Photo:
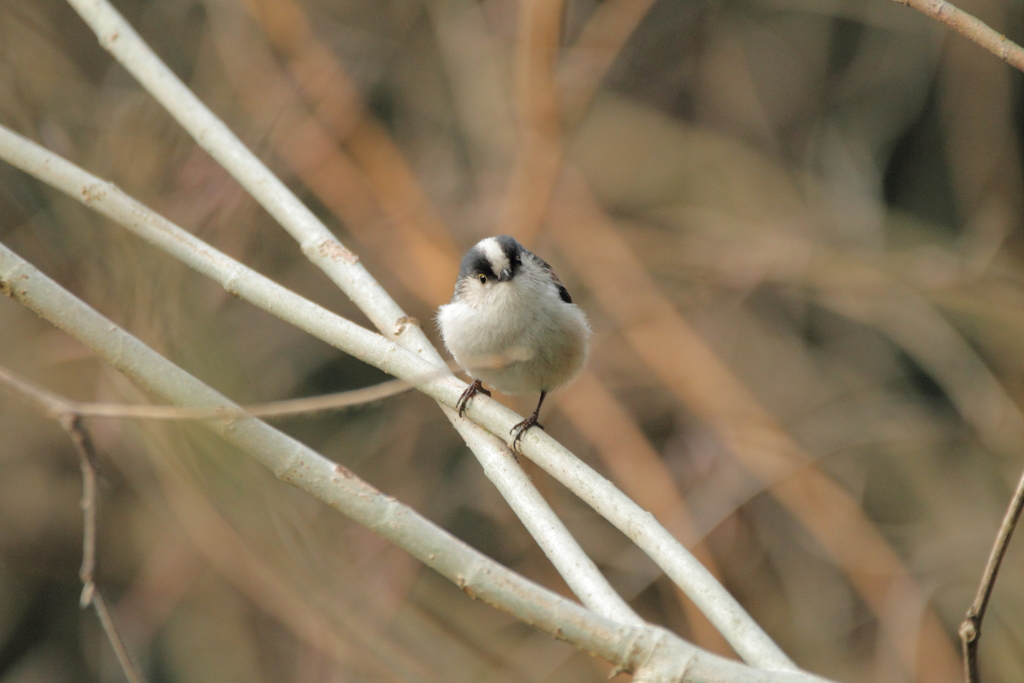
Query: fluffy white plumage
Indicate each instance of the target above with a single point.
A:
(512, 324)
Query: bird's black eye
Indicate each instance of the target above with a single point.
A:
(482, 278)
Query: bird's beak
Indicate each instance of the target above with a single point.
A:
(505, 275)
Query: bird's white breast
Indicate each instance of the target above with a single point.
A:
(517, 336)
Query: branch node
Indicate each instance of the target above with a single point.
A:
(405, 321)
(88, 590)
(334, 251)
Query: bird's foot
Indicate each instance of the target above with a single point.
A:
(472, 390)
(520, 429)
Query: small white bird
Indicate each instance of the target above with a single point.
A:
(512, 324)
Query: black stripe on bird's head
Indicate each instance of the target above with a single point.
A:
(494, 259)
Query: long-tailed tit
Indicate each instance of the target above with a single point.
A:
(511, 323)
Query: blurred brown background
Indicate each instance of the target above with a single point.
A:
(795, 226)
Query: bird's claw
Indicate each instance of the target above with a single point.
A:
(520, 429)
(472, 390)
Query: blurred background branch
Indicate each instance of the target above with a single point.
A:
(971, 28)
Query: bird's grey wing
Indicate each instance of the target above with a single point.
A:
(563, 293)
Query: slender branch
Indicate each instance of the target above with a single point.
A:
(89, 463)
(130, 672)
(90, 594)
(970, 629)
(971, 28)
(295, 406)
(318, 244)
(629, 647)
(54, 405)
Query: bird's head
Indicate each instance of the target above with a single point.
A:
(490, 262)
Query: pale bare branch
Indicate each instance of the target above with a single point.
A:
(971, 28)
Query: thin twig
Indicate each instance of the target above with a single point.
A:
(57, 405)
(90, 594)
(970, 629)
(54, 405)
(100, 605)
(89, 464)
(972, 28)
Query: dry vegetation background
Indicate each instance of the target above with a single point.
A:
(796, 226)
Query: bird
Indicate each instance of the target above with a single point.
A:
(512, 324)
